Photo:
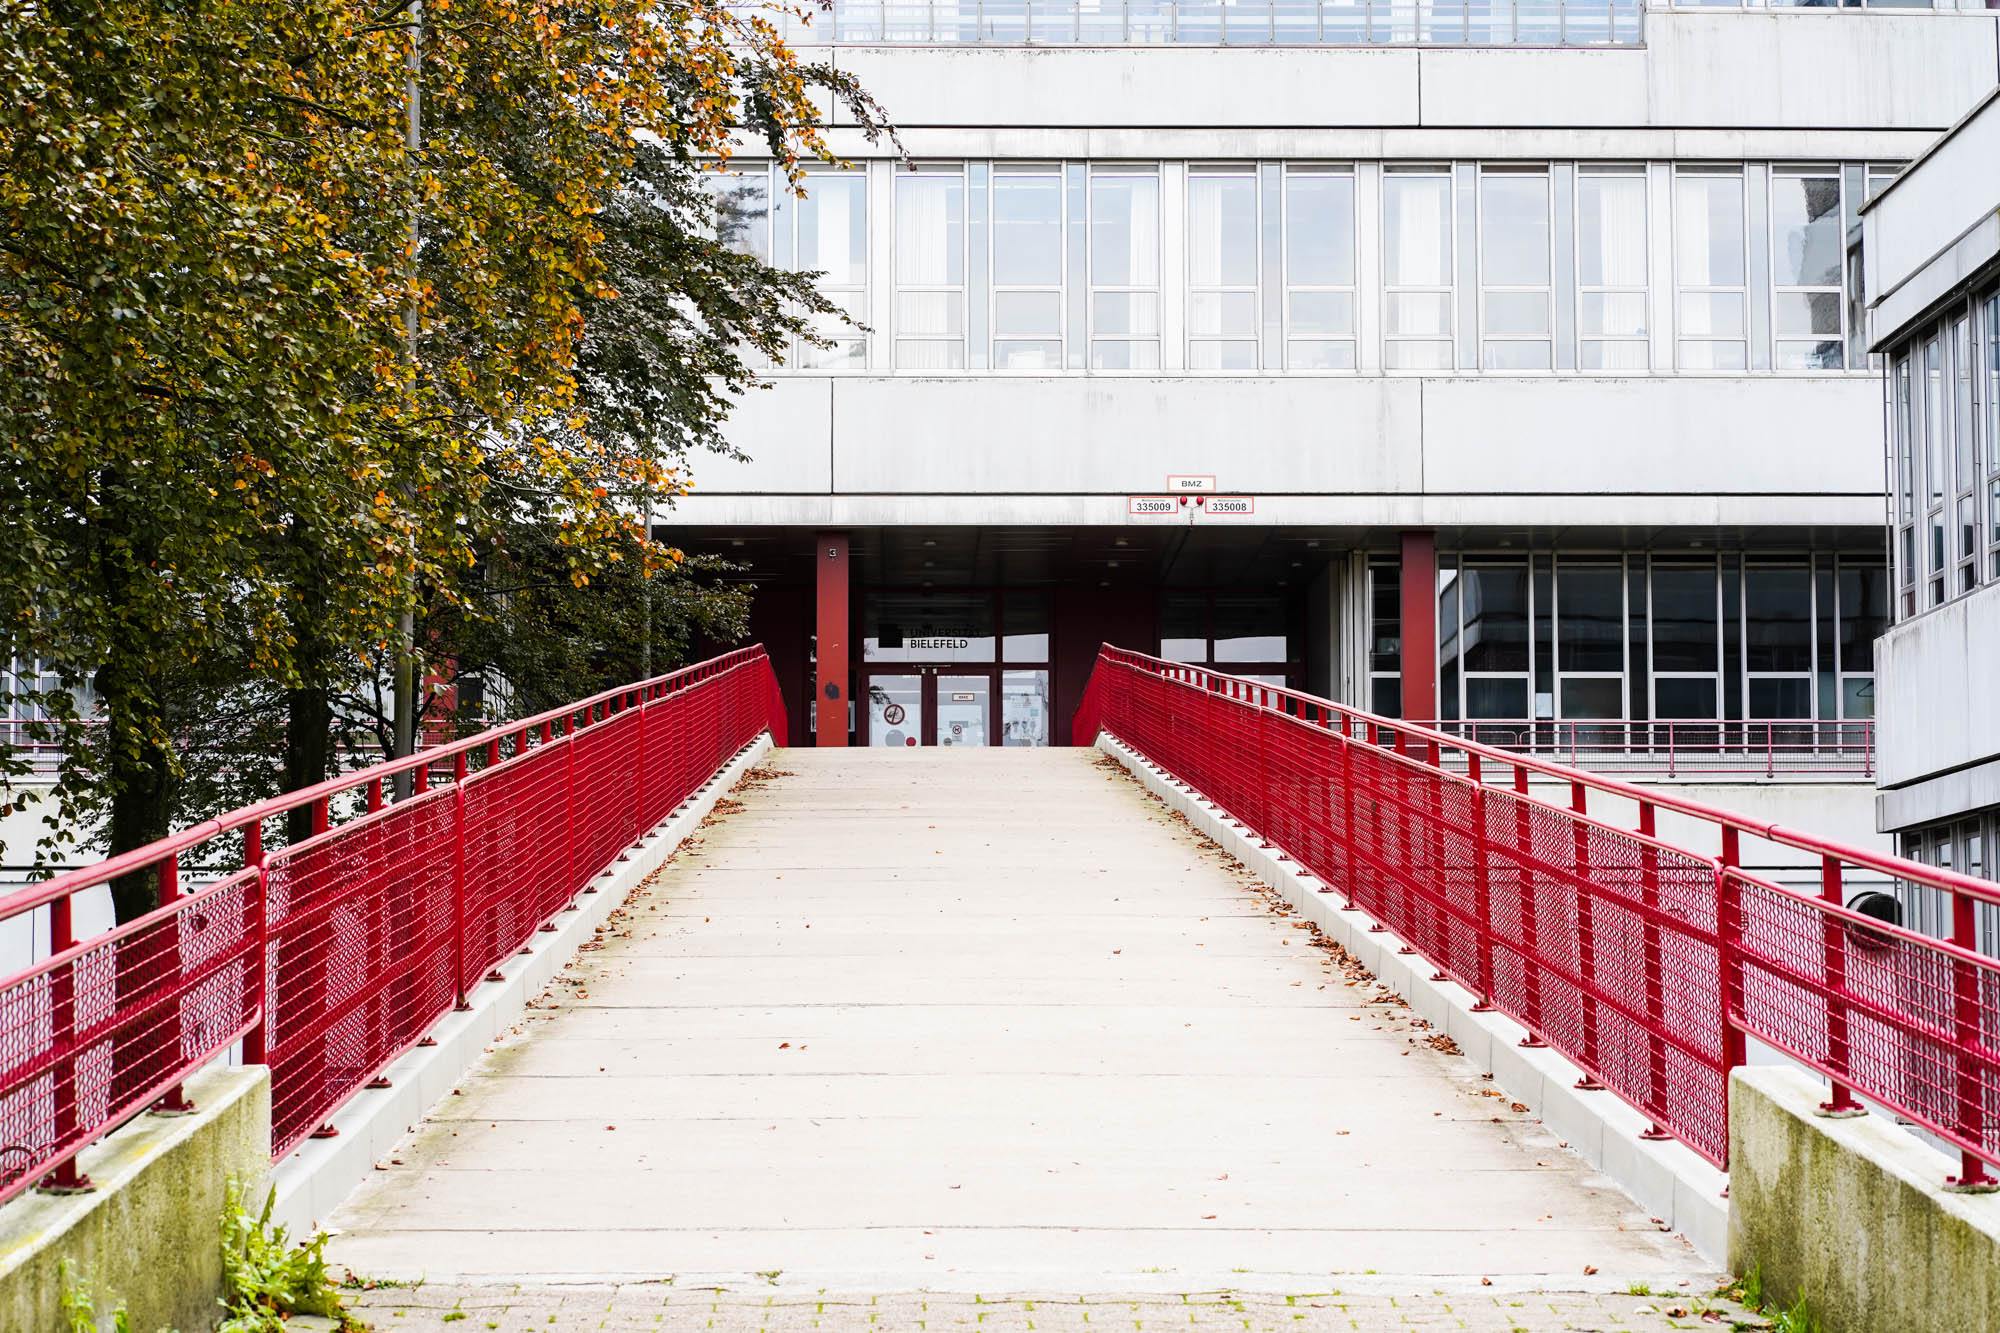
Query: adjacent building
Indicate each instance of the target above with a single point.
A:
(1933, 276)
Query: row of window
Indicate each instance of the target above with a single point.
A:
(1644, 637)
(1962, 845)
(1944, 388)
(1509, 267)
(1263, 22)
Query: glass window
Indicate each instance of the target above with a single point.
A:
(1709, 269)
(1777, 613)
(1514, 316)
(1806, 255)
(1494, 613)
(1222, 311)
(1025, 623)
(1319, 269)
(1027, 269)
(1590, 618)
(1184, 627)
(1417, 269)
(1124, 270)
(1678, 698)
(832, 223)
(1593, 698)
(1992, 391)
(927, 627)
(743, 209)
(1965, 459)
(1024, 708)
(1685, 625)
(1864, 614)
(1250, 627)
(1612, 322)
(930, 268)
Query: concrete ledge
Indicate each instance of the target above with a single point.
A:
(320, 1173)
(149, 1235)
(1669, 1180)
(1853, 1214)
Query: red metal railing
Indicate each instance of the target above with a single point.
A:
(1647, 965)
(1682, 749)
(331, 957)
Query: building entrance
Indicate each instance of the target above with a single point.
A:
(929, 705)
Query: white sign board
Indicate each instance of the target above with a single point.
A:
(1186, 484)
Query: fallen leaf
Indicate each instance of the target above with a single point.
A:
(1590, 1270)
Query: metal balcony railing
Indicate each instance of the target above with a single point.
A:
(1222, 23)
(1661, 749)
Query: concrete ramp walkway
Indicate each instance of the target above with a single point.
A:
(980, 1021)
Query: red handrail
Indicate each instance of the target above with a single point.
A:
(332, 956)
(1646, 964)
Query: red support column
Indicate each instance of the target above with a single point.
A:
(1419, 608)
(830, 699)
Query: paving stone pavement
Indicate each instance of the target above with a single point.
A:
(630, 1308)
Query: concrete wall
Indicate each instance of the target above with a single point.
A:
(1936, 224)
(149, 1235)
(1850, 1212)
(1067, 450)
(1935, 706)
(1803, 70)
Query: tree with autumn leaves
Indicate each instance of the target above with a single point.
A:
(246, 423)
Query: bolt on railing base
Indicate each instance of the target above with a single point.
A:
(66, 1179)
(432, 1041)
(1835, 1111)
(1587, 1084)
(495, 975)
(1654, 1133)
(377, 1084)
(1983, 1185)
(325, 1131)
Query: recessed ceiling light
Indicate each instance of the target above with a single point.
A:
(1121, 542)
(930, 541)
(928, 564)
(1104, 583)
(927, 583)
(735, 541)
(1312, 542)
(1111, 564)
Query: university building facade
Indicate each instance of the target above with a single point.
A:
(1501, 366)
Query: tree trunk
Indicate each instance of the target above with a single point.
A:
(308, 750)
(138, 771)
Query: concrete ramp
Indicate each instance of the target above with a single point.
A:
(981, 1021)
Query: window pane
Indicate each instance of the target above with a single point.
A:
(927, 627)
(1805, 231)
(1515, 355)
(1217, 355)
(1250, 627)
(932, 355)
(1222, 230)
(1614, 314)
(1419, 312)
(1514, 229)
(1320, 355)
(1027, 230)
(1777, 614)
(1217, 314)
(1385, 617)
(930, 230)
(1416, 230)
(1612, 355)
(1712, 356)
(1027, 312)
(1124, 355)
(1807, 314)
(833, 228)
(1025, 620)
(1864, 614)
(1708, 230)
(1495, 611)
(1027, 355)
(1322, 314)
(743, 211)
(1184, 627)
(1517, 312)
(1124, 231)
(1496, 698)
(1127, 312)
(1684, 620)
(1712, 314)
(1780, 698)
(1417, 356)
(1593, 699)
(919, 314)
(1684, 698)
(1319, 230)
(1611, 231)
(1024, 708)
(1590, 618)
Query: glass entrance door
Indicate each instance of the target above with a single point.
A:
(930, 705)
(963, 706)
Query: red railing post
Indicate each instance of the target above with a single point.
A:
(458, 953)
(1835, 937)
(1729, 961)
(1967, 1041)
(570, 885)
(1349, 868)
(1482, 888)
(639, 781)
(1653, 962)
(175, 1101)
(65, 1178)
(256, 1042)
(1586, 931)
(1531, 944)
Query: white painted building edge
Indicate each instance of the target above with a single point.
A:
(312, 1180)
(1669, 1180)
